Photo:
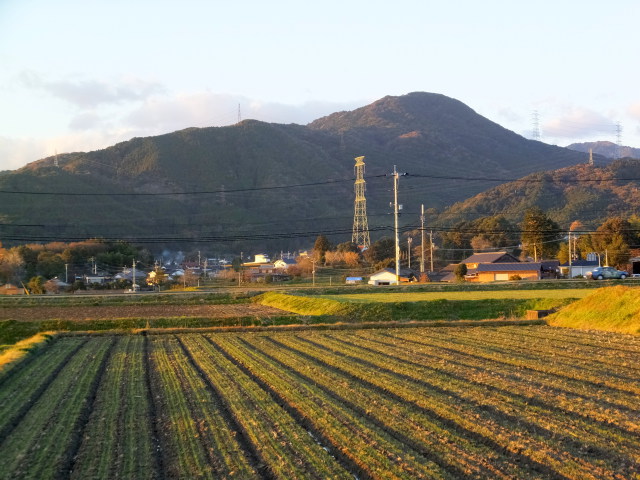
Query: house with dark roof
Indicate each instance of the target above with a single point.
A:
(492, 272)
(476, 259)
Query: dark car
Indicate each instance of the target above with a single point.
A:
(604, 273)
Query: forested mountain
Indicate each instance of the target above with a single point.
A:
(222, 185)
(587, 193)
(606, 149)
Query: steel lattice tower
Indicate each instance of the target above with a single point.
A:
(360, 225)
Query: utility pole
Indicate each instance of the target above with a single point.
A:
(431, 245)
(422, 239)
(66, 273)
(396, 208)
(570, 255)
(409, 240)
(133, 277)
(313, 272)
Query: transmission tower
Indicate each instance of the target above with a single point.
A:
(536, 126)
(360, 225)
(618, 140)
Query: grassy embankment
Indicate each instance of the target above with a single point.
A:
(614, 309)
(420, 306)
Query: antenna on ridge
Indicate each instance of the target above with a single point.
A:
(535, 135)
(55, 160)
(618, 140)
(239, 116)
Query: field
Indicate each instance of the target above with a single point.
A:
(110, 312)
(455, 402)
(408, 296)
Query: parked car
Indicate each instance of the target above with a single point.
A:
(604, 273)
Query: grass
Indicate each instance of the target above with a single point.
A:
(411, 296)
(614, 309)
(10, 355)
(493, 305)
(98, 299)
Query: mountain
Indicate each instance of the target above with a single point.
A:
(606, 149)
(221, 186)
(585, 192)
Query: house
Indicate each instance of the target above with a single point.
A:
(387, 276)
(476, 259)
(550, 268)
(577, 268)
(284, 263)
(261, 258)
(95, 279)
(9, 289)
(491, 272)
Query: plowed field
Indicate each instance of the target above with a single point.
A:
(136, 311)
(458, 403)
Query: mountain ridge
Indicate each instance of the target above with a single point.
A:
(220, 182)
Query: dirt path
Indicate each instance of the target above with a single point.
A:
(138, 311)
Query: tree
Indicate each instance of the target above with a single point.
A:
(36, 285)
(347, 247)
(50, 264)
(321, 246)
(460, 271)
(236, 264)
(540, 235)
(158, 277)
(11, 266)
(381, 250)
(612, 239)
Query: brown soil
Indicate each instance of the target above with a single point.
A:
(138, 311)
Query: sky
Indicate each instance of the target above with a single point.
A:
(80, 75)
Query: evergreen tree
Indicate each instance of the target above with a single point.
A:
(540, 235)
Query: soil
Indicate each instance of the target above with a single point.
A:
(138, 311)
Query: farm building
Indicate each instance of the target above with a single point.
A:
(577, 268)
(387, 276)
(353, 280)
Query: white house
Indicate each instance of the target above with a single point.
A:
(284, 263)
(261, 258)
(387, 276)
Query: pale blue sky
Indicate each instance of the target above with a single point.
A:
(79, 75)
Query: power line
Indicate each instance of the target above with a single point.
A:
(203, 192)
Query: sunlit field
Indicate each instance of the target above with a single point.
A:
(527, 402)
(466, 295)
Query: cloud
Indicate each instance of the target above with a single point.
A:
(17, 152)
(93, 129)
(206, 109)
(91, 93)
(578, 123)
(634, 111)
(86, 121)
